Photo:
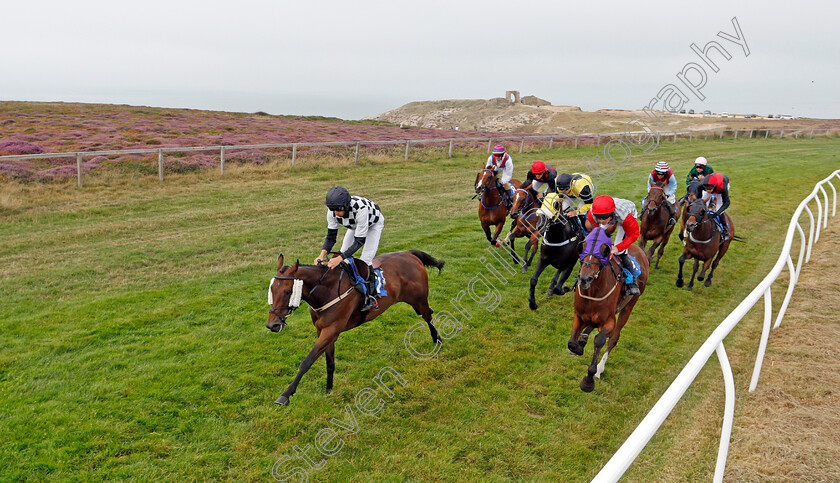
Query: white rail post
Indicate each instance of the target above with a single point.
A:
(782, 134)
(357, 152)
(721, 133)
(160, 163)
(765, 334)
(489, 145)
(451, 145)
(812, 134)
(222, 160)
(576, 142)
(706, 136)
(766, 133)
(294, 154)
(550, 143)
(752, 131)
(407, 144)
(825, 218)
(834, 208)
(810, 234)
(521, 145)
(728, 412)
(598, 142)
(736, 133)
(796, 135)
(79, 169)
(675, 136)
(819, 218)
(791, 286)
(690, 136)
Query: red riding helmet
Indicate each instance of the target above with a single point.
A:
(603, 206)
(713, 182)
(538, 167)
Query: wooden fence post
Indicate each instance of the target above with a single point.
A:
(451, 145)
(160, 163)
(222, 160)
(550, 143)
(521, 145)
(407, 143)
(576, 142)
(79, 169)
(294, 154)
(357, 152)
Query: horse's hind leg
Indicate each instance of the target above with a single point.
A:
(553, 283)
(583, 338)
(702, 274)
(622, 320)
(330, 356)
(423, 310)
(325, 338)
(559, 287)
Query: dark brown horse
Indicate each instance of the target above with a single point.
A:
(654, 223)
(335, 305)
(702, 243)
(690, 196)
(598, 299)
(491, 208)
(559, 249)
(524, 213)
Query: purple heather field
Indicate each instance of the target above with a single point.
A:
(35, 127)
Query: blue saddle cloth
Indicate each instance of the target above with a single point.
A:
(379, 279)
(637, 269)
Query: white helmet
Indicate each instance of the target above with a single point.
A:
(700, 161)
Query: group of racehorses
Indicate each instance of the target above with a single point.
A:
(599, 298)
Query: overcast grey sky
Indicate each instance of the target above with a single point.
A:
(351, 59)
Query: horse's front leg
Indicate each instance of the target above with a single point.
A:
(330, 356)
(587, 384)
(575, 348)
(693, 274)
(324, 340)
(541, 264)
(680, 275)
(702, 274)
(499, 227)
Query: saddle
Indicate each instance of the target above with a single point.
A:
(362, 267)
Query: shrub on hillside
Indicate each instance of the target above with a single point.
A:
(17, 146)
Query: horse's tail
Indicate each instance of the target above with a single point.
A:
(738, 239)
(428, 260)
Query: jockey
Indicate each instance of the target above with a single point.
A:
(714, 190)
(660, 175)
(364, 223)
(577, 191)
(700, 170)
(606, 211)
(540, 176)
(502, 166)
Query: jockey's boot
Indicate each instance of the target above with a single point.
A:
(672, 212)
(370, 298)
(631, 288)
(724, 229)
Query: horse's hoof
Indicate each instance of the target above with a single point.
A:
(525, 269)
(708, 282)
(597, 377)
(562, 290)
(550, 291)
(689, 289)
(328, 390)
(679, 283)
(532, 305)
(700, 278)
(439, 341)
(587, 384)
(282, 400)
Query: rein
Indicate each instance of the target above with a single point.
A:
(484, 189)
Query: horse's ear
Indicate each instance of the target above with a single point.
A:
(581, 247)
(605, 250)
(297, 264)
(279, 262)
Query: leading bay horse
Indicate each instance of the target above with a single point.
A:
(491, 207)
(702, 242)
(600, 297)
(335, 304)
(653, 225)
(523, 211)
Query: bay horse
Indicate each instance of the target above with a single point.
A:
(491, 208)
(703, 242)
(335, 304)
(523, 211)
(653, 225)
(558, 249)
(600, 297)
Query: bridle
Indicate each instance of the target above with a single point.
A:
(657, 204)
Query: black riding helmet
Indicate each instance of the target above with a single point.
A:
(338, 198)
(563, 181)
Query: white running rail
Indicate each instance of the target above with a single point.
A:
(631, 448)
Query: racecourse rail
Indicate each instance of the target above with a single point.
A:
(408, 142)
(631, 448)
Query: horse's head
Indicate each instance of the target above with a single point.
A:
(284, 295)
(484, 180)
(591, 262)
(697, 211)
(691, 195)
(655, 197)
(522, 200)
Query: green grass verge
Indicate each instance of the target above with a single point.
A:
(133, 341)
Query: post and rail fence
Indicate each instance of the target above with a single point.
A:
(551, 139)
(637, 440)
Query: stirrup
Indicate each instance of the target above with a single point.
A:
(632, 289)
(672, 222)
(370, 304)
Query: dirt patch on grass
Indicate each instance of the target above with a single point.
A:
(789, 428)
